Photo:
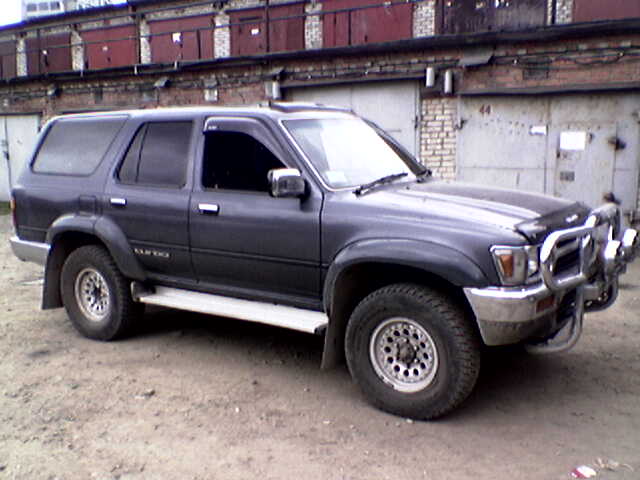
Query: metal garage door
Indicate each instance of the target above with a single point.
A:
(17, 139)
(580, 147)
(392, 105)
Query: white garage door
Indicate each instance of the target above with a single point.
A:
(18, 135)
(392, 105)
(559, 145)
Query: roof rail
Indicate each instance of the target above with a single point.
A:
(301, 106)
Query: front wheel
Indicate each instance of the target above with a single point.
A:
(412, 351)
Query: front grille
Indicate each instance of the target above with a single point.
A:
(568, 263)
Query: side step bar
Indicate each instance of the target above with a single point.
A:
(268, 313)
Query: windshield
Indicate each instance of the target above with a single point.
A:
(346, 152)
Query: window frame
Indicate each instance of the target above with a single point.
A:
(256, 128)
(47, 130)
(144, 124)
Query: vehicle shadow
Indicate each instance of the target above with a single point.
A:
(274, 344)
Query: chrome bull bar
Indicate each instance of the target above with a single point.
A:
(604, 251)
(600, 241)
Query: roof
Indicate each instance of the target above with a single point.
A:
(279, 110)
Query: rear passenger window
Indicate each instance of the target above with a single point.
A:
(158, 155)
(76, 146)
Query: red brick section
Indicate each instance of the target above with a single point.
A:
(599, 63)
(596, 62)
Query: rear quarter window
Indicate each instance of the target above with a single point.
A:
(76, 146)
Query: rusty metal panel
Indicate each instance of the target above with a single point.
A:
(49, 53)
(381, 24)
(248, 29)
(110, 47)
(463, 16)
(286, 27)
(590, 10)
(181, 39)
(351, 24)
(248, 32)
(7, 60)
(517, 14)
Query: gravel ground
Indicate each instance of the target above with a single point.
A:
(196, 397)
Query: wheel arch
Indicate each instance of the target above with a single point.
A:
(352, 276)
(71, 232)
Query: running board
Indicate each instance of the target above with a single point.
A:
(293, 318)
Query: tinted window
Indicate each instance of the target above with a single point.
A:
(129, 169)
(76, 146)
(158, 155)
(237, 161)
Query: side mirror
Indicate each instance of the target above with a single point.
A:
(286, 182)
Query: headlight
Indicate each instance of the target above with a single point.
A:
(516, 265)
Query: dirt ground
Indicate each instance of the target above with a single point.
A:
(196, 397)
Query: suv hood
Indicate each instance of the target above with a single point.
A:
(530, 214)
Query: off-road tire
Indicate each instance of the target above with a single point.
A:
(439, 348)
(96, 295)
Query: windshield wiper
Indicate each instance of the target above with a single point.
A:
(362, 189)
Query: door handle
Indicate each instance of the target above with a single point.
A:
(209, 208)
(118, 202)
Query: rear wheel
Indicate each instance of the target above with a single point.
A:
(412, 351)
(96, 295)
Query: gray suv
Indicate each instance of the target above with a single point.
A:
(313, 219)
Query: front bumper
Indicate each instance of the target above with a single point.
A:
(550, 312)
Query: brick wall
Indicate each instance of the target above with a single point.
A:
(564, 11)
(438, 135)
(222, 37)
(577, 63)
(313, 26)
(145, 41)
(424, 18)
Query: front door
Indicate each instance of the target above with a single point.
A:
(244, 241)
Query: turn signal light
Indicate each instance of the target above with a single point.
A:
(506, 263)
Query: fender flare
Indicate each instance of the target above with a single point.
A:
(105, 230)
(432, 258)
(443, 261)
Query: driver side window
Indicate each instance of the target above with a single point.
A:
(236, 161)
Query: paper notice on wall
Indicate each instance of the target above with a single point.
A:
(573, 140)
(538, 130)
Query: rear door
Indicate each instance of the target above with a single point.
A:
(244, 241)
(148, 197)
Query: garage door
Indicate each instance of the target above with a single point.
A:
(392, 105)
(580, 147)
(17, 139)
